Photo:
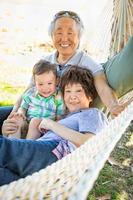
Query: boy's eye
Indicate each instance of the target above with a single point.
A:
(49, 83)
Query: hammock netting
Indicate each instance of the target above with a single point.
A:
(114, 27)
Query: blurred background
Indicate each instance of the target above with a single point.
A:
(24, 37)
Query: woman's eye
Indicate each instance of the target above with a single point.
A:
(67, 91)
(70, 33)
(59, 33)
(79, 90)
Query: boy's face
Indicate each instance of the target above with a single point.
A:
(75, 97)
(46, 83)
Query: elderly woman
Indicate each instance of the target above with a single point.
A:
(19, 157)
(66, 29)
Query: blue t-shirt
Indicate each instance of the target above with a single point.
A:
(89, 120)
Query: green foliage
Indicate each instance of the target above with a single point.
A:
(9, 88)
(6, 103)
(9, 93)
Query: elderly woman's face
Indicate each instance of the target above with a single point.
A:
(66, 36)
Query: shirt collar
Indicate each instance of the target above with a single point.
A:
(71, 61)
(77, 111)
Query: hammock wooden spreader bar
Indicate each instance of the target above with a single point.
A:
(74, 175)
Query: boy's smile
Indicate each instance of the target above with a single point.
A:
(46, 84)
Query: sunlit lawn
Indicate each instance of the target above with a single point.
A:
(13, 80)
(116, 181)
(9, 93)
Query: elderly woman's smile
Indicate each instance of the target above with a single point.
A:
(65, 38)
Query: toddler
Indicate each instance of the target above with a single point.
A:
(42, 101)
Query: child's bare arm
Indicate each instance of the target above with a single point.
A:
(19, 100)
(21, 113)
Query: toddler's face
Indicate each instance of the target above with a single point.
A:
(45, 83)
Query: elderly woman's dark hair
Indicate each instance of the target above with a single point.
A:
(70, 14)
(83, 76)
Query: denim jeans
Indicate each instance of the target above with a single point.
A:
(6, 176)
(20, 157)
(4, 112)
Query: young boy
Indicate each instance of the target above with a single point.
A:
(42, 101)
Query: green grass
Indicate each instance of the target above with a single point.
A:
(8, 87)
(116, 181)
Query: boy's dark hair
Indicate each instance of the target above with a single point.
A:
(44, 66)
(83, 76)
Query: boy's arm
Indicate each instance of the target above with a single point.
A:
(22, 112)
(17, 104)
(19, 100)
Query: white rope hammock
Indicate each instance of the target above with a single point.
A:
(73, 176)
(114, 27)
(122, 25)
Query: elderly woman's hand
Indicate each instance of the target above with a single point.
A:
(10, 126)
(119, 107)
